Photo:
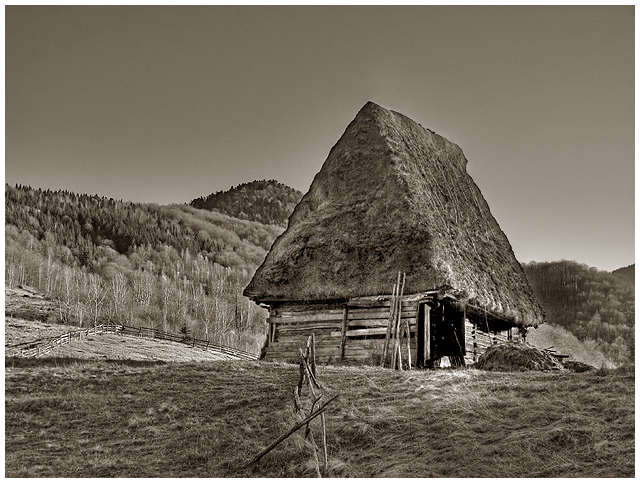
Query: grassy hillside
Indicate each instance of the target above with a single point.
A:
(100, 347)
(69, 418)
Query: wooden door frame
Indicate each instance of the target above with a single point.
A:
(423, 320)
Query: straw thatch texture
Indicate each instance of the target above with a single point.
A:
(393, 196)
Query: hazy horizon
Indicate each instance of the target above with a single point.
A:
(167, 104)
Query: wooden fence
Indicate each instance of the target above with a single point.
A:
(44, 347)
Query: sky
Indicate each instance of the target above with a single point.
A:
(162, 104)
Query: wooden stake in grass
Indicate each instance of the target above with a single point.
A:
(308, 372)
(292, 430)
(314, 382)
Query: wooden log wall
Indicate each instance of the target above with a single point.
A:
(291, 326)
(478, 341)
(358, 337)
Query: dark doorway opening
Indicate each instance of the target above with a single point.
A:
(447, 333)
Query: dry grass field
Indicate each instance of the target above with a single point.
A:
(19, 332)
(103, 346)
(27, 322)
(68, 417)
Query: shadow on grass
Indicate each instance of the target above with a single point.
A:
(22, 362)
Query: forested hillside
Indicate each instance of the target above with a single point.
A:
(173, 267)
(627, 273)
(268, 202)
(183, 269)
(596, 306)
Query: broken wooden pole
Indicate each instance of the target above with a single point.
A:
(313, 381)
(292, 430)
(312, 378)
(308, 434)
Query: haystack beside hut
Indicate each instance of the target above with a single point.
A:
(392, 197)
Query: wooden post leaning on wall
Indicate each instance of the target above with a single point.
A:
(345, 324)
(392, 305)
(404, 275)
(394, 334)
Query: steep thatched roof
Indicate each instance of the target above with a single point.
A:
(393, 196)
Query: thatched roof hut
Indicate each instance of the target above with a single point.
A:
(393, 196)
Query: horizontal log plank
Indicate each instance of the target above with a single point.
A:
(335, 351)
(377, 314)
(378, 304)
(305, 328)
(296, 350)
(304, 318)
(355, 351)
(278, 322)
(364, 344)
(293, 344)
(297, 339)
(369, 323)
(358, 332)
(296, 313)
(300, 336)
(368, 331)
(408, 315)
(355, 344)
(295, 356)
(378, 322)
(322, 358)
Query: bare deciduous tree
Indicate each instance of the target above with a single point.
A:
(96, 294)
